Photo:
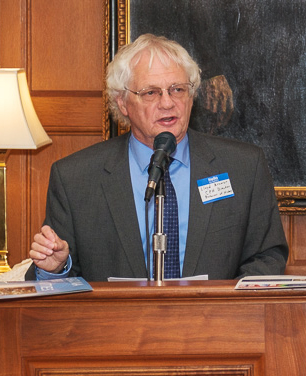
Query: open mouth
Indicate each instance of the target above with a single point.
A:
(167, 119)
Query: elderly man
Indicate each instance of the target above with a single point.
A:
(95, 215)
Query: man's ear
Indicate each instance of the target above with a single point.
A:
(122, 106)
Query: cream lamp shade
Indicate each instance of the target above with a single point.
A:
(20, 127)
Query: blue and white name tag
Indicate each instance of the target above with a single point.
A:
(215, 188)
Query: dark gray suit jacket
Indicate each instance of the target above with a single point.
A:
(90, 204)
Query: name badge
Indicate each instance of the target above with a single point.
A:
(215, 188)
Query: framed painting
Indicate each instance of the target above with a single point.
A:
(259, 48)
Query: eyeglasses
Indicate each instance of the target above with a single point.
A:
(176, 91)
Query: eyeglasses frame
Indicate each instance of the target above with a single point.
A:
(138, 93)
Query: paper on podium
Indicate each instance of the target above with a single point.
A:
(267, 282)
(203, 277)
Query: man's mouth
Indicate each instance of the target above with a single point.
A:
(167, 119)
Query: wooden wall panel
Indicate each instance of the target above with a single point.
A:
(17, 189)
(70, 114)
(297, 239)
(12, 34)
(286, 340)
(66, 48)
(63, 47)
(40, 164)
(9, 342)
(67, 59)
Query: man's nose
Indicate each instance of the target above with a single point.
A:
(166, 100)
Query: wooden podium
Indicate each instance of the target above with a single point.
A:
(179, 328)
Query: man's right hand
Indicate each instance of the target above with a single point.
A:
(48, 251)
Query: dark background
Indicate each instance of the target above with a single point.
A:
(260, 47)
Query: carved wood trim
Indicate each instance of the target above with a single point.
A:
(123, 22)
(291, 200)
(46, 368)
(106, 122)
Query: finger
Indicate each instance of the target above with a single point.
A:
(39, 249)
(59, 244)
(41, 240)
(34, 255)
(48, 233)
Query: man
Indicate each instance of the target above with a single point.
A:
(95, 215)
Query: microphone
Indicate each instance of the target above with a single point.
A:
(164, 145)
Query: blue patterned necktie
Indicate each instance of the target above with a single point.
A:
(171, 229)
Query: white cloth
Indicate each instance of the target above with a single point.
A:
(17, 273)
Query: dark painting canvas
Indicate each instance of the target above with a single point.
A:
(260, 48)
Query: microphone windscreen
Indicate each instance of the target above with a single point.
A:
(165, 141)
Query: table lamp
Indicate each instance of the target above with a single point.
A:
(20, 128)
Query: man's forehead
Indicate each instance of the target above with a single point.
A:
(153, 69)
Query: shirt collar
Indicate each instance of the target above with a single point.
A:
(142, 153)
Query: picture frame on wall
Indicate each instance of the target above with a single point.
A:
(259, 50)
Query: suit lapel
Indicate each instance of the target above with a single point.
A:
(201, 158)
(117, 187)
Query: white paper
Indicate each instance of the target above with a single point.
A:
(203, 277)
(267, 282)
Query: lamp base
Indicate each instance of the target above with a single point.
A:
(4, 266)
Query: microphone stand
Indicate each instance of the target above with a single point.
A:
(159, 238)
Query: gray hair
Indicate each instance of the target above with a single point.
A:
(119, 71)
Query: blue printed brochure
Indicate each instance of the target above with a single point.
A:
(26, 289)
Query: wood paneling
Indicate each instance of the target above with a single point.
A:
(165, 338)
(63, 46)
(61, 114)
(69, 33)
(286, 338)
(40, 164)
(9, 326)
(17, 206)
(296, 237)
(12, 33)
